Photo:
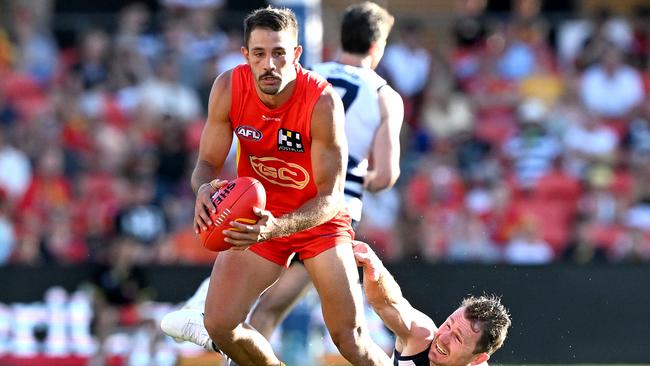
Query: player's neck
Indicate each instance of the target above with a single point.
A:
(355, 60)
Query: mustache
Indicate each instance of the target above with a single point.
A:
(270, 74)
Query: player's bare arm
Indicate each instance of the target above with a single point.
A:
(216, 139)
(386, 146)
(329, 160)
(412, 328)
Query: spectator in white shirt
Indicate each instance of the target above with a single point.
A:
(611, 88)
(589, 142)
(527, 247)
(15, 169)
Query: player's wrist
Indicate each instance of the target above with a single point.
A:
(203, 186)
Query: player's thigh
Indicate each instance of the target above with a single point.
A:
(290, 287)
(336, 279)
(237, 280)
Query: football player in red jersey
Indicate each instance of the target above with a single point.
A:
(289, 124)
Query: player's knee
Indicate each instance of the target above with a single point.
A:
(219, 327)
(348, 340)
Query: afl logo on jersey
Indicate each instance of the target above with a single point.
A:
(249, 133)
(280, 172)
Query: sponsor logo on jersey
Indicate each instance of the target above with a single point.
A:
(280, 172)
(270, 119)
(290, 141)
(249, 133)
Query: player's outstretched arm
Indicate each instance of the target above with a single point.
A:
(216, 139)
(384, 156)
(386, 299)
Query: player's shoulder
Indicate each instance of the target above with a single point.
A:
(224, 80)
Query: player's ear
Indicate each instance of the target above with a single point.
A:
(480, 358)
(297, 52)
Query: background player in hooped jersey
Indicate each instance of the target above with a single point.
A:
(473, 332)
(373, 118)
(298, 122)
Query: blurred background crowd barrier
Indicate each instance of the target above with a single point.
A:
(525, 162)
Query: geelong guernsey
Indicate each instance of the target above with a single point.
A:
(420, 359)
(358, 88)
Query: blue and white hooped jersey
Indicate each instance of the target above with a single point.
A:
(359, 90)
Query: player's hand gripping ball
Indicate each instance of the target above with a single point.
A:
(234, 202)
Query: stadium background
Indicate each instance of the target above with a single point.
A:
(524, 172)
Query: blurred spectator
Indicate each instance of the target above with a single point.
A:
(172, 157)
(583, 249)
(631, 247)
(469, 241)
(6, 50)
(638, 215)
(203, 41)
(434, 197)
(469, 30)
(519, 59)
(131, 33)
(165, 95)
(232, 55)
(640, 48)
(532, 150)
(611, 88)
(494, 96)
(47, 232)
(408, 63)
(526, 246)
(15, 168)
(470, 25)
(36, 50)
(92, 66)
(588, 143)
(140, 219)
(446, 113)
(7, 234)
(129, 70)
(475, 157)
(599, 204)
(599, 34)
(638, 138)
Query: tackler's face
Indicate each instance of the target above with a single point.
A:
(455, 341)
(273, 58)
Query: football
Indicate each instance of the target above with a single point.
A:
(234, 202)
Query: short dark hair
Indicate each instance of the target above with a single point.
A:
(275, 19)
(362, 25)
(491, 317)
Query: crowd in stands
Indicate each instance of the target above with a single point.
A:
(526, 141)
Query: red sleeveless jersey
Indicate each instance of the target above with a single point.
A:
(274, 146)
(275, 143)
